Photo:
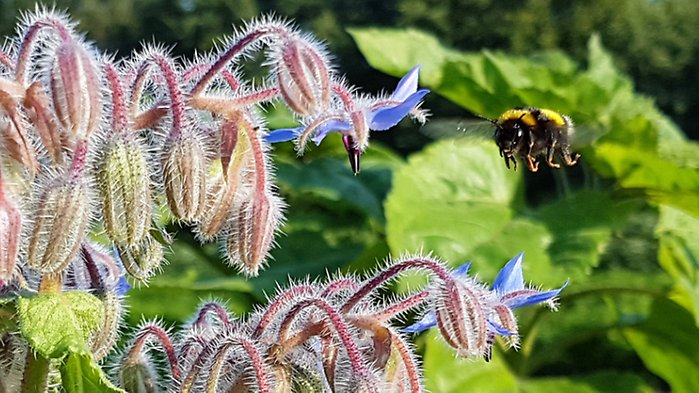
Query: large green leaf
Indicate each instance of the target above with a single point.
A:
(668, 345)
(55, 324)
(79, 374)
(678, 254)
(449, 199)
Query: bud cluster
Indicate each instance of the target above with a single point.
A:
(333, 336)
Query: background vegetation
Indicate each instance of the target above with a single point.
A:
(622, 225)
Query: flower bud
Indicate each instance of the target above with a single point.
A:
(10, 231)
(254, 225)
(304, 77)
(461, 313)
(184, 172)
(141, 260)
(60, 224)
(124, 185)
(138, 376)
(220, 195)
(75, 90)
(104, 339)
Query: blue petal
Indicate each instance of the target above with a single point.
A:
(283, 135)
(385, 118)
(122, 286)
(535, 298)
(499, 329)
(407, 85)
(330, 126)
(510, 277)
(462, 270)
(427, 321)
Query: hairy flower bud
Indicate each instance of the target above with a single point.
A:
(254, 225)
(184, 174)
(104, 339)
(75, 90)
(60, 222)
(303, 76)
(461, 311)
(220, 195)
(124, 185)
(138, 376)
(10, 230)
(143, 259)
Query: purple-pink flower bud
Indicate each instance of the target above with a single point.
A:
(303, 76)
(75, 89)
(254, 226)
(461, 310)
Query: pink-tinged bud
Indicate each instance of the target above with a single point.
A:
(60, 223)
(303, 76)
(142, 260)
(254, 225)
(123, 181)
(461, 311)
(184, 174)
(39, 112)
(10, 231)
(75, 89)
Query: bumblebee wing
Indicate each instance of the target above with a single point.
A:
(477, 129)
(582, 136)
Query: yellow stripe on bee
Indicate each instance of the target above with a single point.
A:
(553, 117)
(524, 115)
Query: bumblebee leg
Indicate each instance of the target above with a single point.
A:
(567, 158)
(549, 156)
(532, 164)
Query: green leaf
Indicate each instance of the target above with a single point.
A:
(55, 324)
(582, 224)
(79, 374)
(395, 51)
(678, 254)
(450, 198)
(668, 346)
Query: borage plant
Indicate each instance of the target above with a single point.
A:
(91, 145)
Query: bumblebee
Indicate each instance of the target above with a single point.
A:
(528, 133)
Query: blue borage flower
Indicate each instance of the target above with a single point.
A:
(509, 290)
(358, 117)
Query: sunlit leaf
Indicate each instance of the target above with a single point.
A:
(55, 324)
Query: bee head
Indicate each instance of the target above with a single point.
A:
(508, 137)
